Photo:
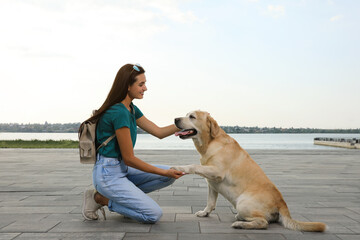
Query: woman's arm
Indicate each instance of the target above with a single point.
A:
(127, 152)
(153, 129)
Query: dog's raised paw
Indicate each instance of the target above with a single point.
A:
(180, 168)
(177, 168)
(202, 214)
(238, 224)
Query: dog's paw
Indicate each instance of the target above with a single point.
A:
(202, 214)
(238, 217)
(178, 168)
(238, 224)
(185, 169)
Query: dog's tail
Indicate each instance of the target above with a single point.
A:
(292, 224)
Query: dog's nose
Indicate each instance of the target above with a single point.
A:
(177, 120)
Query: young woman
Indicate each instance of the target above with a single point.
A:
(120, 178)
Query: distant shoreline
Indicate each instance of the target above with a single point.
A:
(39, 144)
(73, 128)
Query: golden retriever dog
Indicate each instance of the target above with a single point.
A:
(230, 171)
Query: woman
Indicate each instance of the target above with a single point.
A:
(120, 178)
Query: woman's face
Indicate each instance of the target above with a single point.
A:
(136, 91)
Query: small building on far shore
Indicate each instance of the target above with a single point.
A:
(352, 143)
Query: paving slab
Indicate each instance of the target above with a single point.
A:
(260, 236)
(216, 236)
(30, 226)
(348, 237)
(101, 226)
(8, 236)
(41, 195)
(175, 227)
(151, 236)
(192, 218)
(72, 236)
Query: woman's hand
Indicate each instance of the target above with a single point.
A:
(174, 173)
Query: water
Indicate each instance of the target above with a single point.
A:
(247, 141)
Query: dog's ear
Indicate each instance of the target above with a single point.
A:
(214, 127)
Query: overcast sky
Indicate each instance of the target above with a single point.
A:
(266, 63)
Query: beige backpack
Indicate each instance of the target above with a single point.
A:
(87, 146)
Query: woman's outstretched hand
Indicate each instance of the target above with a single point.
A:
(174, 173)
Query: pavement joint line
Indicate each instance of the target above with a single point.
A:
(53, 226)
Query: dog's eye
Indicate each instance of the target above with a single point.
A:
(192, 117)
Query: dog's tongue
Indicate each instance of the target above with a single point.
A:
(183, 132)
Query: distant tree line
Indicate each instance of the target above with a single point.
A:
(73, 128)
(37, 127)
(237, 129)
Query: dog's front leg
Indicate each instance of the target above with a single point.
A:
(190, 169)
(211, 203)
(209, 172)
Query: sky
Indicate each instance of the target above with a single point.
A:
(265, 63)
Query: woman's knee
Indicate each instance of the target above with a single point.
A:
(153, 216)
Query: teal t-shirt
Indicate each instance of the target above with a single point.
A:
(117, 116)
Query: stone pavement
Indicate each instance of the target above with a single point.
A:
(41, 194)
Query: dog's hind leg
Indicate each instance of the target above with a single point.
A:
(248, 217)
(211, 203)
(251, 223)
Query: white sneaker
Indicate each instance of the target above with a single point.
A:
(90, 207)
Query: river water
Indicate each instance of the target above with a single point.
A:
(247, 141)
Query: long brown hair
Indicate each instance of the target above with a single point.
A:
(125, 77)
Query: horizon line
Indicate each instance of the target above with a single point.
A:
(46, 123)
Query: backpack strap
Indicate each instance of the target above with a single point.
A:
(106, 142)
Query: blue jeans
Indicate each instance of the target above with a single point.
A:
(126, 188)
